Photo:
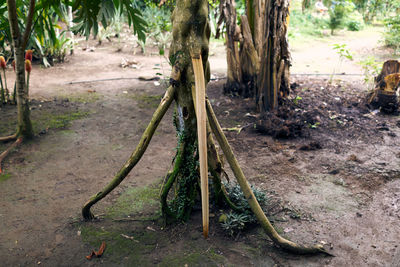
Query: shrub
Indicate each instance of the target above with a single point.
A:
(392, 32)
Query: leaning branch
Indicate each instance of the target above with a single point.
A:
(136, 155)
(8, 138)
(248, 193)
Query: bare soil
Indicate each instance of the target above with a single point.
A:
(334, 179)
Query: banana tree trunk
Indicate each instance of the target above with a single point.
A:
(264, 57)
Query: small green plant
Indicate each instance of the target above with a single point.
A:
(234, 221)
(343, 53)
(314, 126)
(297, 99)
(354, 26)
(371, 69)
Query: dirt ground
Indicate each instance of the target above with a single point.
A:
(336, 183)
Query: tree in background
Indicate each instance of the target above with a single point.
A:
(260, 67)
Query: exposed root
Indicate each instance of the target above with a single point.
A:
(8, 150)
(136, 155)
(8, 138)
(171, 178)
(248, 193)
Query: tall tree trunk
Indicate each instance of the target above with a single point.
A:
(19, 41)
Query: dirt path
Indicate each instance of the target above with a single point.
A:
(352, 204)
(318, 56)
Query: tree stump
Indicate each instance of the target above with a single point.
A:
(387, 82)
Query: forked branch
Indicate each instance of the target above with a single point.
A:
(136, 155)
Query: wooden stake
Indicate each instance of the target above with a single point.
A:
(201, 114)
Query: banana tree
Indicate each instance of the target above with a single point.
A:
(261, 67)
(24, 14)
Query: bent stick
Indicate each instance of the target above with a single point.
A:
(136, 155)
(249, 195)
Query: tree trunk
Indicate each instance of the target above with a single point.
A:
(234, 73)
(191, 35)
(264, 53)
(384, 97)
(24, 128)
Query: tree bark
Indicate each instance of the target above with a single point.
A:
(234, 73)
(24, 128)
(264, 54)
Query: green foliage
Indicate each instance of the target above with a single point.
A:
(371, 69)
(297, 99)
(392, 30)
(234, 222)
(305, 24)
(47, 36)
(159, 21)
(342, 51)
(354, 26)
(89, 12)
(338, 12)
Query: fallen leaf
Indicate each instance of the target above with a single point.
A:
(101, 250)
(89, 257)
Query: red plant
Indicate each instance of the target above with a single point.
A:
(28, 65)
(29, 55)
(13, 64)
(2, 63)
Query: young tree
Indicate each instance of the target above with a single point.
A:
(87, 13)
(261, 67)
(195, 122)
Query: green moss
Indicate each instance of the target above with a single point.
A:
(48, 120)
(5, 176)
(135, 201)
(122, 247)
(146, 101)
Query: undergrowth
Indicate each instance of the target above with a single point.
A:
(234, 222)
